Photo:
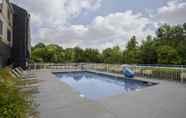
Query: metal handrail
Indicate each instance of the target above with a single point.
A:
(161, 72)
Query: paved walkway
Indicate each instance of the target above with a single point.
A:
(58, 100)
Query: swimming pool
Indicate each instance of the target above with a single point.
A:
(95, 86)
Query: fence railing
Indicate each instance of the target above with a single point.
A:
(159, 72)
(48, 66)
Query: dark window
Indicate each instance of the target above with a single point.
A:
(8, 14)
(1, 27)
(9, 36)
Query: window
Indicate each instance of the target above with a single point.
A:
(9, 36)
(8, 14)
(1, 27)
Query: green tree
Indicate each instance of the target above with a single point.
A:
(107, 54)
(170, 35)
(132, 44)
(38, 54)
(69, 55)
(117, 55)
(167, 55)
(92, 55)
(112, 55)
(173, 36)
(130, 55)
(78, 52)
(182, 52)
(54, 53)
(182, 46)
(39, 45)
(169, 41)
(148, 53)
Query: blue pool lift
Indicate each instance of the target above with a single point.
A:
(127, 72)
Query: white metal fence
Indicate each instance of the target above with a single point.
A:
(159, 72)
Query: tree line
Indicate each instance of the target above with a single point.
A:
(168, 46)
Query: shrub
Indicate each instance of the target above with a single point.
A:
(13, 102)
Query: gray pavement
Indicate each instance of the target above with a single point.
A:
(58, 100)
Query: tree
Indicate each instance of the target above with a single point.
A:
(167, 55)
(39, 45)
(69, 55)
(132, 44)
(182, 52)
(117, 55)
(38, 54)
(130, 55)
(92, 55)
(184, 26)
(170, 35)
(148, 53)
(112, 55)
(175, 37)
(167, 47)
(107, 55)
(78, 52)
(182, 46)
(54, 53)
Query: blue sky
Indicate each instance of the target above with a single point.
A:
(99, 23)
(112, 6)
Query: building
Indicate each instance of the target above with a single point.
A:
(21, 48)
(15, 47)
(6, 32)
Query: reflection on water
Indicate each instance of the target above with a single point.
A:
(93, 86)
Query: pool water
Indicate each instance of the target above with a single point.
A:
(95, 86)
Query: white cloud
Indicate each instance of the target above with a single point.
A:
(49, 17)
(173, 13)
(57, 12)
(116, 28)
(50, 22)
(103, 32)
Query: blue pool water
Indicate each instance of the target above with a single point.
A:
(95, 86)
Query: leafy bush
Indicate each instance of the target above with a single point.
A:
(13, 102)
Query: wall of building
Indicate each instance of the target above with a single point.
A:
(6, 19)
(21, 37)
(6, 16)
(4, 54)
(15, 47)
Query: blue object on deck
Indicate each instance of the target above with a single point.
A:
(128, 73)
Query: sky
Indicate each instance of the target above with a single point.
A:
(99, 23)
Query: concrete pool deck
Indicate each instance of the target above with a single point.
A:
(58, 100)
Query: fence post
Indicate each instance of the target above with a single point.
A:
(107, 68)
(182, 74)
(34, 66)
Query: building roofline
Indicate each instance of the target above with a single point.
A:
(9, 5)
(12, 4)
